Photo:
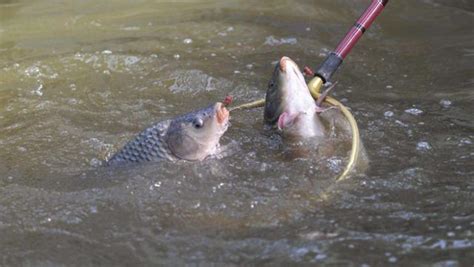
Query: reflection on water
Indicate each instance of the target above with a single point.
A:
(79, 79)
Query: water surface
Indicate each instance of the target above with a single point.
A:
(78, 79)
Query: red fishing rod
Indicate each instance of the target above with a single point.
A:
(335, 58)
(330, 65)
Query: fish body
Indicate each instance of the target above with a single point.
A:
(192, 136)
(289, 105)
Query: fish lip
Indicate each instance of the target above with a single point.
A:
(283, 62)
(281, 121)
(222, 114)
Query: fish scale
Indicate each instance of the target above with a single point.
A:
(150, 145)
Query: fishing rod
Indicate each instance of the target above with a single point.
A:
(335, 58)
(332, 63)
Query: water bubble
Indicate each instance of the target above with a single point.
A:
(213, 54)
(176, 56)
(450, 234)
(249, 66)
(32, 71)
(401, 123)
(462, 244)
(106, 52)
(423, 146)
(95, 162)
(188, 41)
(300, 252)
(465, 141)
(39, 90)
(442, 244)
(253, 204)
(95, 23)
(335, 164)
(388, 114)
(445, 103)
(79, 56)
(414, 111)
(389, 86)
(93, 209)
(272, 41)
(447, 263)
(130, 28)
(308, 29)
(22, 149)
(130, 60)
(230, 29)
(72, 101)
(320, 257)
(392, 259)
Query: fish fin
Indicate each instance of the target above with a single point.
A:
(321, 98)
(285, 119)
(320, 110)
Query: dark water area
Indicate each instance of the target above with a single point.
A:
(80, 78)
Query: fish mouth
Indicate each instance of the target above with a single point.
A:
(285, 63)
(222, 114)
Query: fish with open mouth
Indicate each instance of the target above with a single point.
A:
(289, 105)
(192, 136)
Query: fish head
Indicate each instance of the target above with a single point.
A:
(288, 102)
(196, 135)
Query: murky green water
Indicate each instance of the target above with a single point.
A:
(79, 78)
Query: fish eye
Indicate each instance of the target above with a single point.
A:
(197, 123)
(271, 84)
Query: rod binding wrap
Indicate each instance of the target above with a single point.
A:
(328, 67)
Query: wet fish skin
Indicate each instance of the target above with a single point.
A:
(289, 104)
(192, 136)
